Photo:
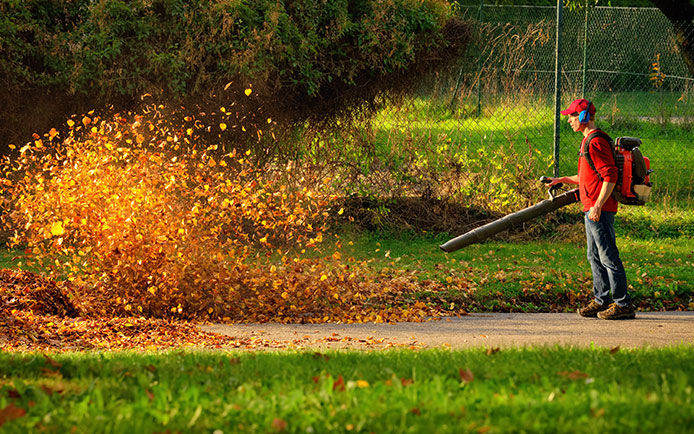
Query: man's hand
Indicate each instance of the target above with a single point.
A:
(594, 213)
(562, 180)
(551, 181)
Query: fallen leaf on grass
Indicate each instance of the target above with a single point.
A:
(50, 372)
(575, 375)
(50, 391)
(52, 362)
(466, 375)
(362, 384)
(597, 413)
(339, 384)
(279, 424)
(318, 355)
(11, 412)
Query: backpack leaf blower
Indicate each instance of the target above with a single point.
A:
(632, 188)
(481, 233)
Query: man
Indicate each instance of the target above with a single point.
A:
(596, 182)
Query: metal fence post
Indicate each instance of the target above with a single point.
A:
(454, 101)
(480, 16)
(557, 88)
(585, 52)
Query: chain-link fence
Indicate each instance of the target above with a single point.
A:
(502, 94)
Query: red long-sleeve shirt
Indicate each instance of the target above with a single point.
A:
(589, 183)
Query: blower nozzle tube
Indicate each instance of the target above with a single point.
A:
(481, 233)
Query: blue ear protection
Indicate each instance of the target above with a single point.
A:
(584, 116)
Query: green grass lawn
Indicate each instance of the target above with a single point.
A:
(656, 245)
(477, 390)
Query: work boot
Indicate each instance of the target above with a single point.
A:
(591, 311)
(616, 311)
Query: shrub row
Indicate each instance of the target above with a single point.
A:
(82, 53)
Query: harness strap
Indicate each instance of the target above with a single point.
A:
(586, 149)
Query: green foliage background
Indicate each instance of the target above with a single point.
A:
(83, 52)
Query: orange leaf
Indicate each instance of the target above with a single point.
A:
(339, 384)
(11, 412)
(575, 375)
(466, 375)
(279, 424)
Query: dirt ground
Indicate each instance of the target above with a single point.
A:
(486, 330)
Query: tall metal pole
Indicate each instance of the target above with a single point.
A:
(557, 88)
(480, 17)
(585, 51)
(454, 101)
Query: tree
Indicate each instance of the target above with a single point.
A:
(681, 15)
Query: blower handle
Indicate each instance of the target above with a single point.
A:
(552, 189)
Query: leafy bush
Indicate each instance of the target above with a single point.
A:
(301, 56)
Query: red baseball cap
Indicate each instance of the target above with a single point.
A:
(578, 105)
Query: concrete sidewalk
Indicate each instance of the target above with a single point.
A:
(491, 330)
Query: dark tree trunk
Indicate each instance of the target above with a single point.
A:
(681, 15)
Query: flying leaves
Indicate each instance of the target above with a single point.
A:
(147, 223)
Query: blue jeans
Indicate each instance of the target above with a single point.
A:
(609, 277)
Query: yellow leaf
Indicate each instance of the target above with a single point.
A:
(248, 92)
(340, 211)
(362, 384)
(70, 123)
(222, 126)
(323, 277)
(189, 131)
(269, 120)
(57, 229)
(285, 295)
